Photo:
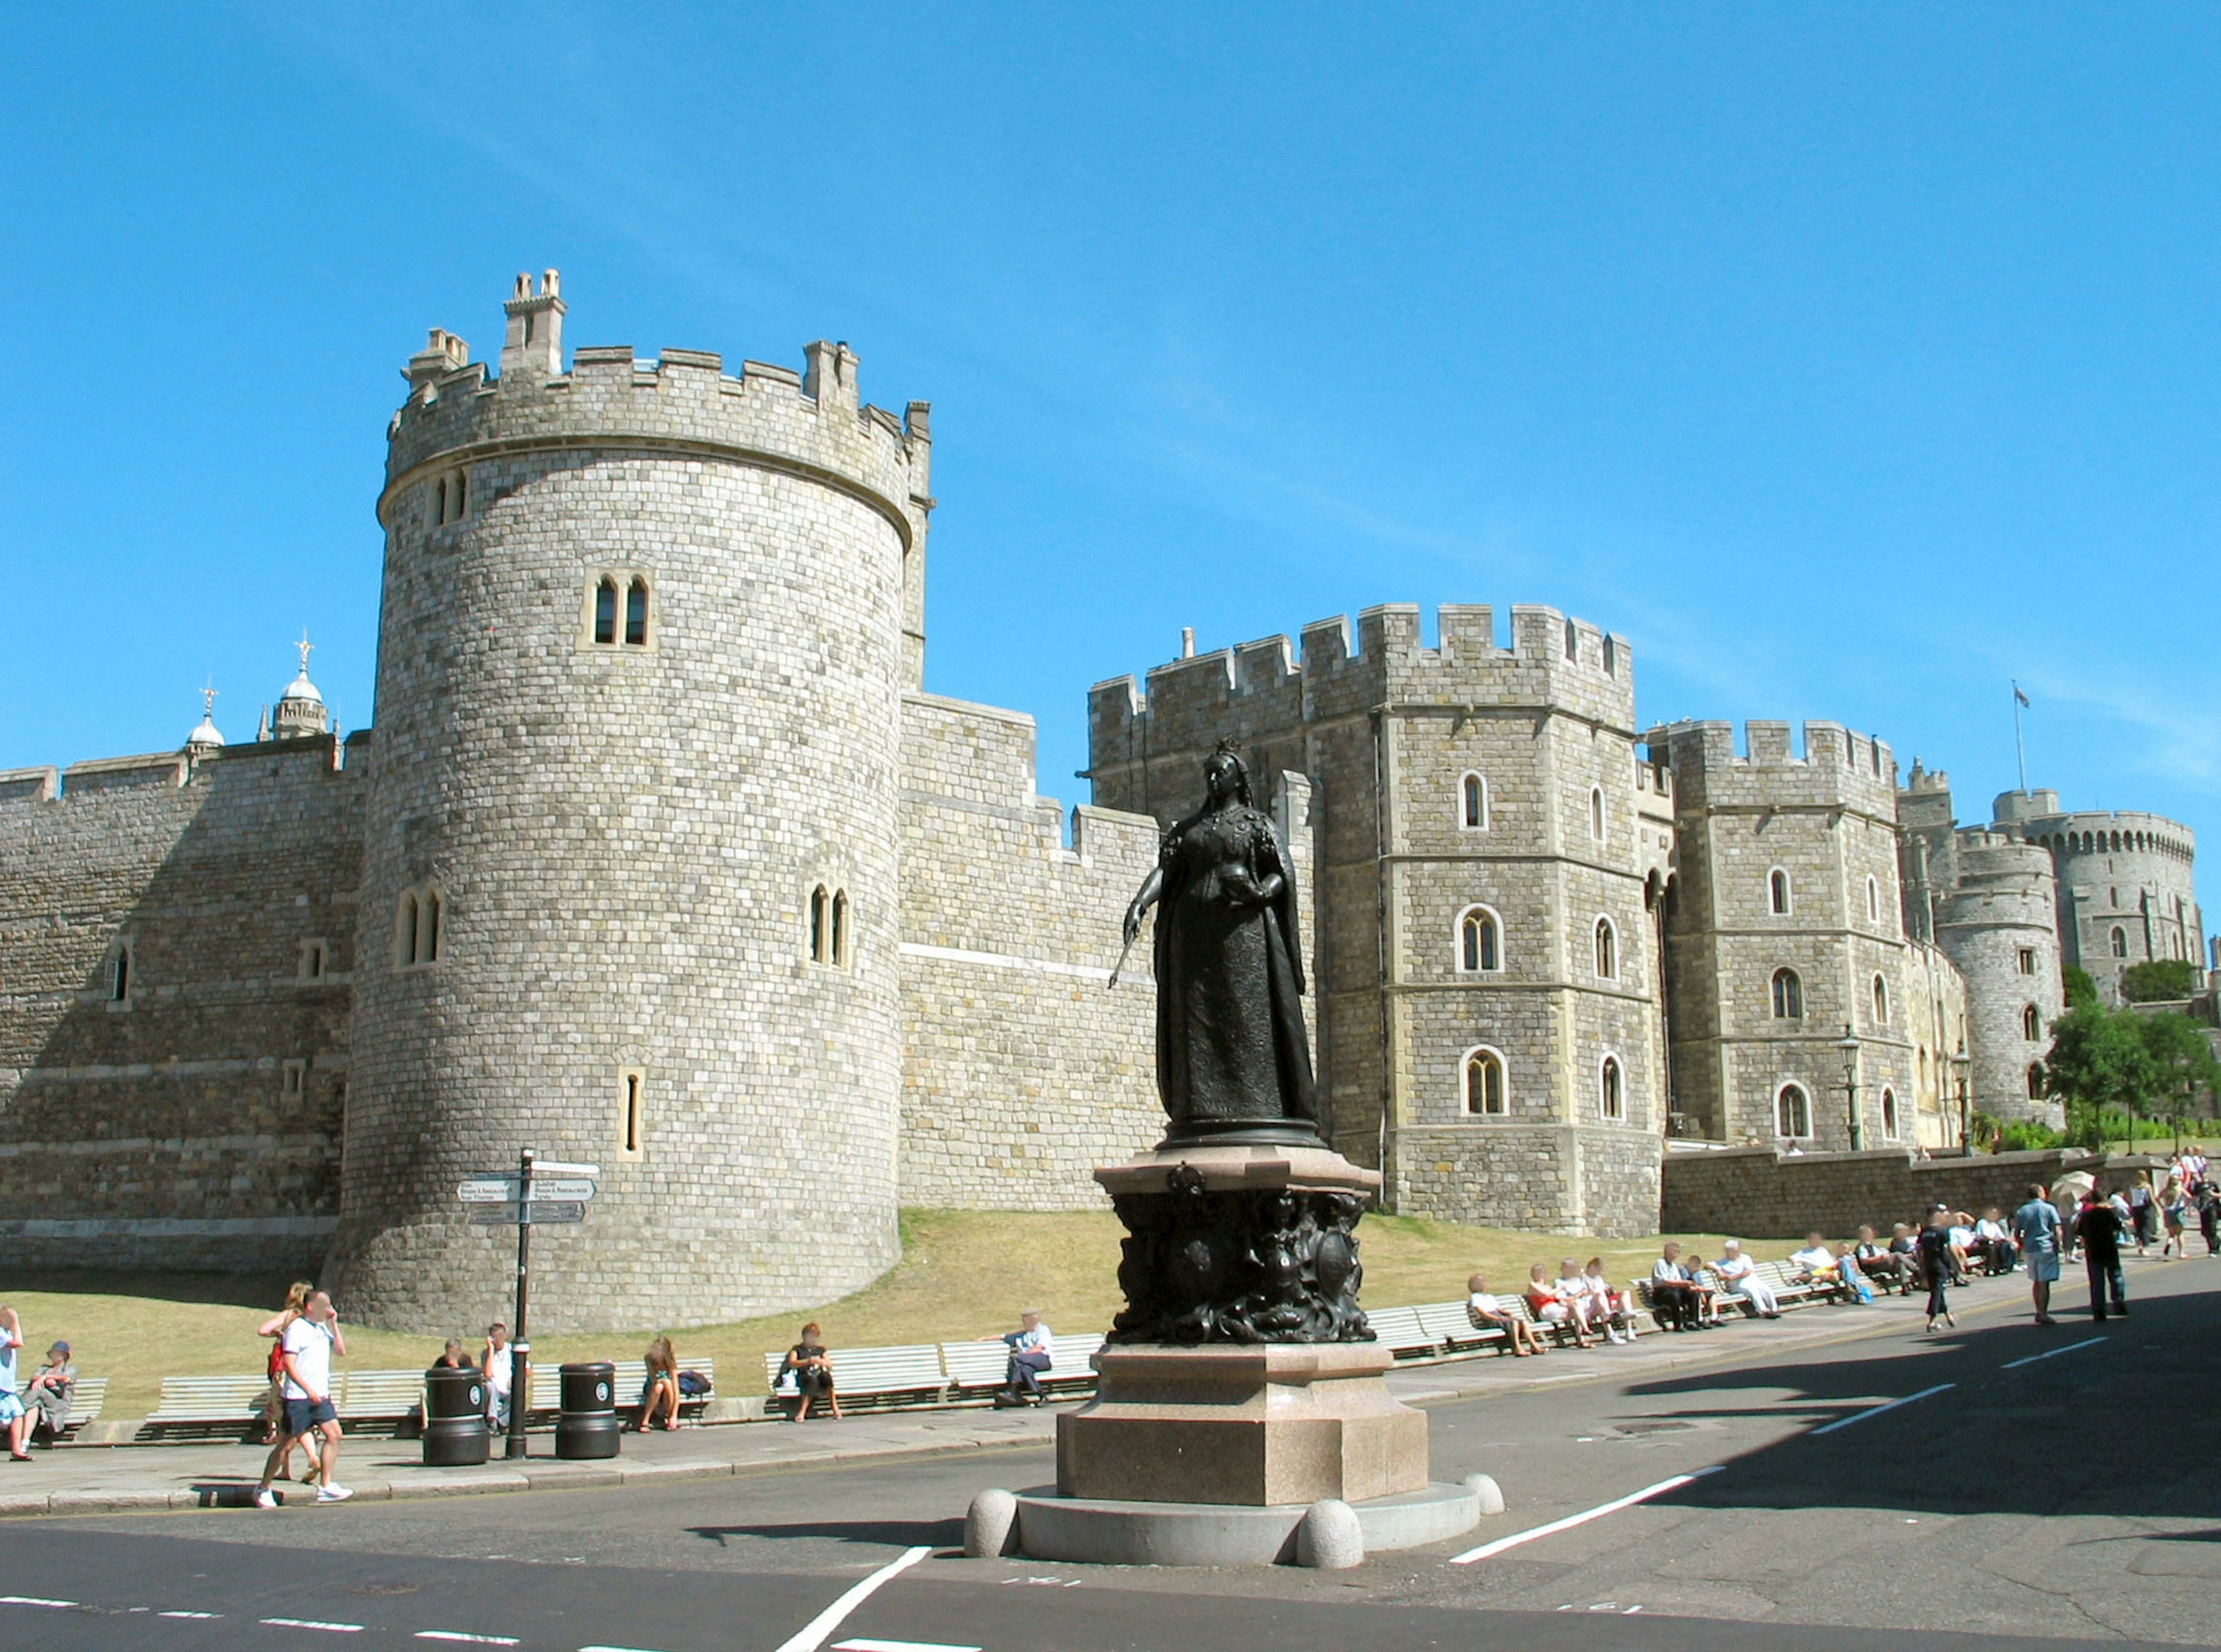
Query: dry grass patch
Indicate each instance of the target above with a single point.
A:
(963, 1274)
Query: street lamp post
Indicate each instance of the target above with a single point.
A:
(1960, 1063)
(1849, 1044)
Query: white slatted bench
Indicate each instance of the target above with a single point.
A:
(1398, 1330)
(975, 1370)
(380, 1402)
(1073, 1374)
(879, 1379)
(210, 1406)
(1452, 1327)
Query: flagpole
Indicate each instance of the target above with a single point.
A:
(2020, 746)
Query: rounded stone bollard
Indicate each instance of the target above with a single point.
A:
(1491, 1494)
(587, 1425)
(1330, 1538)
(991, 1524)
(454, 1416)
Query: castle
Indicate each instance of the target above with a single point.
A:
(660, 855)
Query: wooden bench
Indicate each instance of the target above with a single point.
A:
(1398, 1330)
(877, 1378)
(379, 1402)
(1450, 1323)
(210, 1407)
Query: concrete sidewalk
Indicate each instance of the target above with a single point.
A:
(92, 1479)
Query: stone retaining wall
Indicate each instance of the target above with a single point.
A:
(1762, 1193)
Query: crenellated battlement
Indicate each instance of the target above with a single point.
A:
(1551, 661)
(809, 423)
(1835, 766)
(168, 771)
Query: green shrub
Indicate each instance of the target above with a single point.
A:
(2159, 982)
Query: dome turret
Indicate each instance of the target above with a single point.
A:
(206, 739)
(301, 708)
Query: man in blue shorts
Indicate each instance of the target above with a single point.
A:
(306, 1353)
(2036, 1226)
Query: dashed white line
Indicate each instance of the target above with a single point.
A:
(460, 1635)
(898, 1646)
(2052, 1353)
(1587, 1515)
(197, 1616)
(31, 1600)
(616, 1649)
(812, 1635)
(1860, 1417)
(312, 1622)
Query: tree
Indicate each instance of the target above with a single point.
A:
(2098, 1060)
(2180, 1061)
(2159, 982)
(2081, 989)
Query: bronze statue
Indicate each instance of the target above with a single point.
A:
(1233, 1056)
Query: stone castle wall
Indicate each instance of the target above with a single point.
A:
(1827, 821)
(2126, 888)
(1763, 1192)
(1388, 733)
(195, 1121)
(2001, 929)
(1022, 1068)
(627, 838)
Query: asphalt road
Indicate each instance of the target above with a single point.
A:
(2046, 1487)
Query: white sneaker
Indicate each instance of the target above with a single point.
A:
(265, 1499)
(332, 1492)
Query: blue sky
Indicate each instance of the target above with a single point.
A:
(1849, 361)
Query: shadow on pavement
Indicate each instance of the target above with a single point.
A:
(891, 1534)
(2124, 1429)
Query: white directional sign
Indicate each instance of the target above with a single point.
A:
(557, 1168)
(499, 1190)
(535, 1213)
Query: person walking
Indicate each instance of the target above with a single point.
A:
(306, 1350)
(1934, 1249)
(2037, 1226)
(2209, 1215)
(2141, 1210)
(2098, 1231)
(2175, 1212)
(273, 1401)
(13, 1417)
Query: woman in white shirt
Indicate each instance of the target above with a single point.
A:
(1607, 1307)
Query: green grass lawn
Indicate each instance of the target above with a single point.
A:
(962, 1274)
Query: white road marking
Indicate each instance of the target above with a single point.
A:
(31, 1600)
(1860, 1417)
(898, 1646)
(812, 1635)
(196, 1616)
(614, 1649)
(1486, 1550)
(311, 1623)
(2053, 1353)
(457, 1635)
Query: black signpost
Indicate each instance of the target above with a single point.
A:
(495, 1200)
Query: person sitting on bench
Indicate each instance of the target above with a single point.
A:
(1485, 1310)
(1029, 1357)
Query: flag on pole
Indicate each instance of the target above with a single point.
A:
(2019, 697)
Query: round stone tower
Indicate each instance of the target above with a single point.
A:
(2127, 893)
(629, 883)
(1998, 926)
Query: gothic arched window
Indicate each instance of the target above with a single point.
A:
(2031, 1023)
(1793, 1112)
(1479, 943)
(1485, 1094)
(1610, 1100)
(606, 611)
(1880, 1001)
(1473, 803)
(1607, 950)
(1788, 996)
(637, 613)
(1777, 892)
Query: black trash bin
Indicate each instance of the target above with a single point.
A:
(587, 1426)
(454, 1416)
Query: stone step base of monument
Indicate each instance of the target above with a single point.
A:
(1041, 1526)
